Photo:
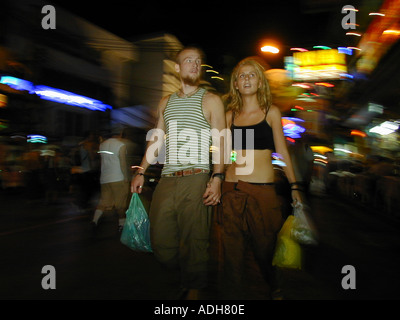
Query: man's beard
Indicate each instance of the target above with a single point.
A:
(191, 81)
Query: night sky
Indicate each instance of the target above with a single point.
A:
(221, 28)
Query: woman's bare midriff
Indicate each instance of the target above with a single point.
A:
(251, 166)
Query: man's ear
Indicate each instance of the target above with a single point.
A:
(177, 68)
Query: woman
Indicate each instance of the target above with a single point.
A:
(249, 216)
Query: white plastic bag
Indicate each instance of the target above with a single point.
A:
(303, 229)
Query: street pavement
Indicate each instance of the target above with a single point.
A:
(90, 266)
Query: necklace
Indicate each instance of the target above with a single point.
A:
(187, 95)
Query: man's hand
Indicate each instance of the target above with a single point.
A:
(137, 183)
(212, 195)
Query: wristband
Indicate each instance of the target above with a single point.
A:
(140, 174)
(220, 175)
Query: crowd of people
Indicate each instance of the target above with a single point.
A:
(55, 172)
(48, 171)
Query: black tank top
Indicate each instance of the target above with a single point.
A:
(263, 136)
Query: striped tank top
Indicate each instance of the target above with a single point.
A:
(188, 137)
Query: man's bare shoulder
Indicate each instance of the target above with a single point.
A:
(211, 97)
(163, 102)
(212, 101)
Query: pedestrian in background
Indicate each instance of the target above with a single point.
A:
(249, 216)
(114, 183)
(85, 172)
(180, 212)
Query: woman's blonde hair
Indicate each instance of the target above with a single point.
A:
(233, 100)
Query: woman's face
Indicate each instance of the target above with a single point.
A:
(247, 81)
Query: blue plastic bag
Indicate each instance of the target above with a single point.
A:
(136, 232)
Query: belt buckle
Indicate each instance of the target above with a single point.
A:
(188, 172)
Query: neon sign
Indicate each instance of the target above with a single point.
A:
(53, 94)
(319, 64)
(291, 129)
(36, 138)
(17, 84)
(62, 96)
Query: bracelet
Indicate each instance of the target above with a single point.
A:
(296, 183)
(220, 175)
(297, 189)
(140, 174)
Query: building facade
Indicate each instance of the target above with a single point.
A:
(77, 59)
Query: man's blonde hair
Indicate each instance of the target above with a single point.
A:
(198, 49)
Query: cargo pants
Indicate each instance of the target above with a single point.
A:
(180, 227)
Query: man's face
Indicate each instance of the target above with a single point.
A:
(189, 67)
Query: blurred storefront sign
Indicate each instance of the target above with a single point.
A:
(382, 33)
(319, 65)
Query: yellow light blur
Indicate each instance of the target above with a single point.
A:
(270, 49)
(392, 32)
(325, 84)
(350, 9)
(319, 58)
(352, 24)
(353, 34)
(319, 64)
(321, 149)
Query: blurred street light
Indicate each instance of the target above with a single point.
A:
(270, 49)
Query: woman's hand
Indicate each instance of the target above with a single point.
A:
(212, 195)
(297, 197)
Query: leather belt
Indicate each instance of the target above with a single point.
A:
(188, 172)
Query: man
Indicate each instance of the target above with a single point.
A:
(180, 214)
(113, 178)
